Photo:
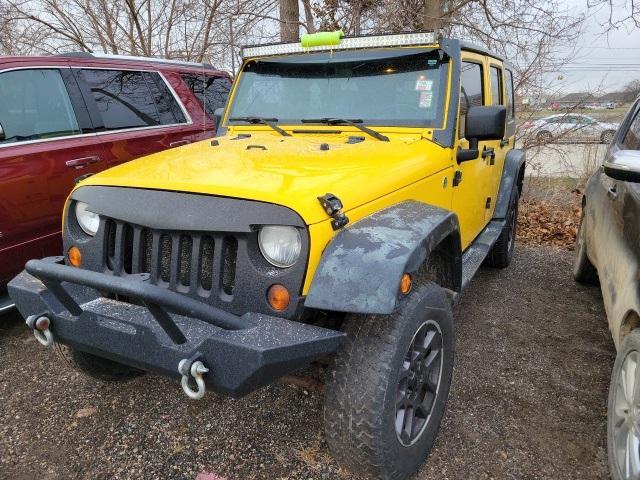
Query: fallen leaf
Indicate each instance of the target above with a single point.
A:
(86, 412)
(209, 476)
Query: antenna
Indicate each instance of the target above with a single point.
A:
(231, 44)
(204, 101)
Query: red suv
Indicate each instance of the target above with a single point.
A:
(65, 117)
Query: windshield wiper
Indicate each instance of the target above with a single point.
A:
(353, 123)
(262, 121)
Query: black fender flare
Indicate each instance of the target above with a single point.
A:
(512, 177)
(361, 268)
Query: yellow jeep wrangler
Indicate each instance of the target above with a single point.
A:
(355, 188)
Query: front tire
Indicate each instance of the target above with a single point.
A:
(583, 270)
(623, 416)
(94, 366)
(387, 389)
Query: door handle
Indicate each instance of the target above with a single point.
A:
(179, 143)
(612, 192)
(489, 152)
(82, 162)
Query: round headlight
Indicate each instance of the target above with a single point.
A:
(280, 245)
(88, 221)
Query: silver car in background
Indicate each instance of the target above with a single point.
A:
(569, 127)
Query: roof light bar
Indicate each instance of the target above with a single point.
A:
(347, 43)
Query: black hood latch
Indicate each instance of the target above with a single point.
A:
(333, 206)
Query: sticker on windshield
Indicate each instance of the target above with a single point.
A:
(425, 99)
(423, 84)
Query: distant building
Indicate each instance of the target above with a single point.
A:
(586, 100)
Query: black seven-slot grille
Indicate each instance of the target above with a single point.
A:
(203, 246)
(194, 262)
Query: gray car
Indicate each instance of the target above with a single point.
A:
(569, 127)
(608, 253)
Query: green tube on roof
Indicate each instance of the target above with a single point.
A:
(321, 39)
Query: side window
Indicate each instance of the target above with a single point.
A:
(496, 86)
(35, 104)
(211, 91)
(168, 109)
(511, 108)
(631, 140)
(471, 89)
(123, 98)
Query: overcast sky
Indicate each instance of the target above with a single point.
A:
(602, 62)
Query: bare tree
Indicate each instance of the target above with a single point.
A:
(625, 14)
(631, 90)
(195, 30)
(527, 32)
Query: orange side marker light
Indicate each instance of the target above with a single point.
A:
(75, 256)
(405, 284)
(278, 297)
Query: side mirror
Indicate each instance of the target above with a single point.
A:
(2, 135)
(217, 117)
(482, 123)
(623, 165)
(485, 123)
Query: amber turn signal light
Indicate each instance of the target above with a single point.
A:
(405, 284)
(278, 297)
(75, 257)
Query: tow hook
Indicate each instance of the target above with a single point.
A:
(197, 370)
(40, 326)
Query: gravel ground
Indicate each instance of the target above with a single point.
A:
(528, 401)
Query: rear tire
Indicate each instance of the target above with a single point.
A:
(583, 270)
(382, 412)
(94, 366)
(501, 253)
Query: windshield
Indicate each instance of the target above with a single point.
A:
(398, 90)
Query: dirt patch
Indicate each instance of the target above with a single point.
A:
(528, 401)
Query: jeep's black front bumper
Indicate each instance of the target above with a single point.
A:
(157, 328)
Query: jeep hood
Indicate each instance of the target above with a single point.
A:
(290, 171)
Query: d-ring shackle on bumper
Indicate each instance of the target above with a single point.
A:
(197, 370)
(40, 326)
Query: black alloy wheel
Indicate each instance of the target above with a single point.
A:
(419, 382)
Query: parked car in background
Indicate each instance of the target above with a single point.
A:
(571, 127)
(608, 252)
(63, 118)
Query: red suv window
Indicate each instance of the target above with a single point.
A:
(125, 99)
(35, 105)
(211, 91)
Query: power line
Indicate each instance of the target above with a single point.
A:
(610, 48)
